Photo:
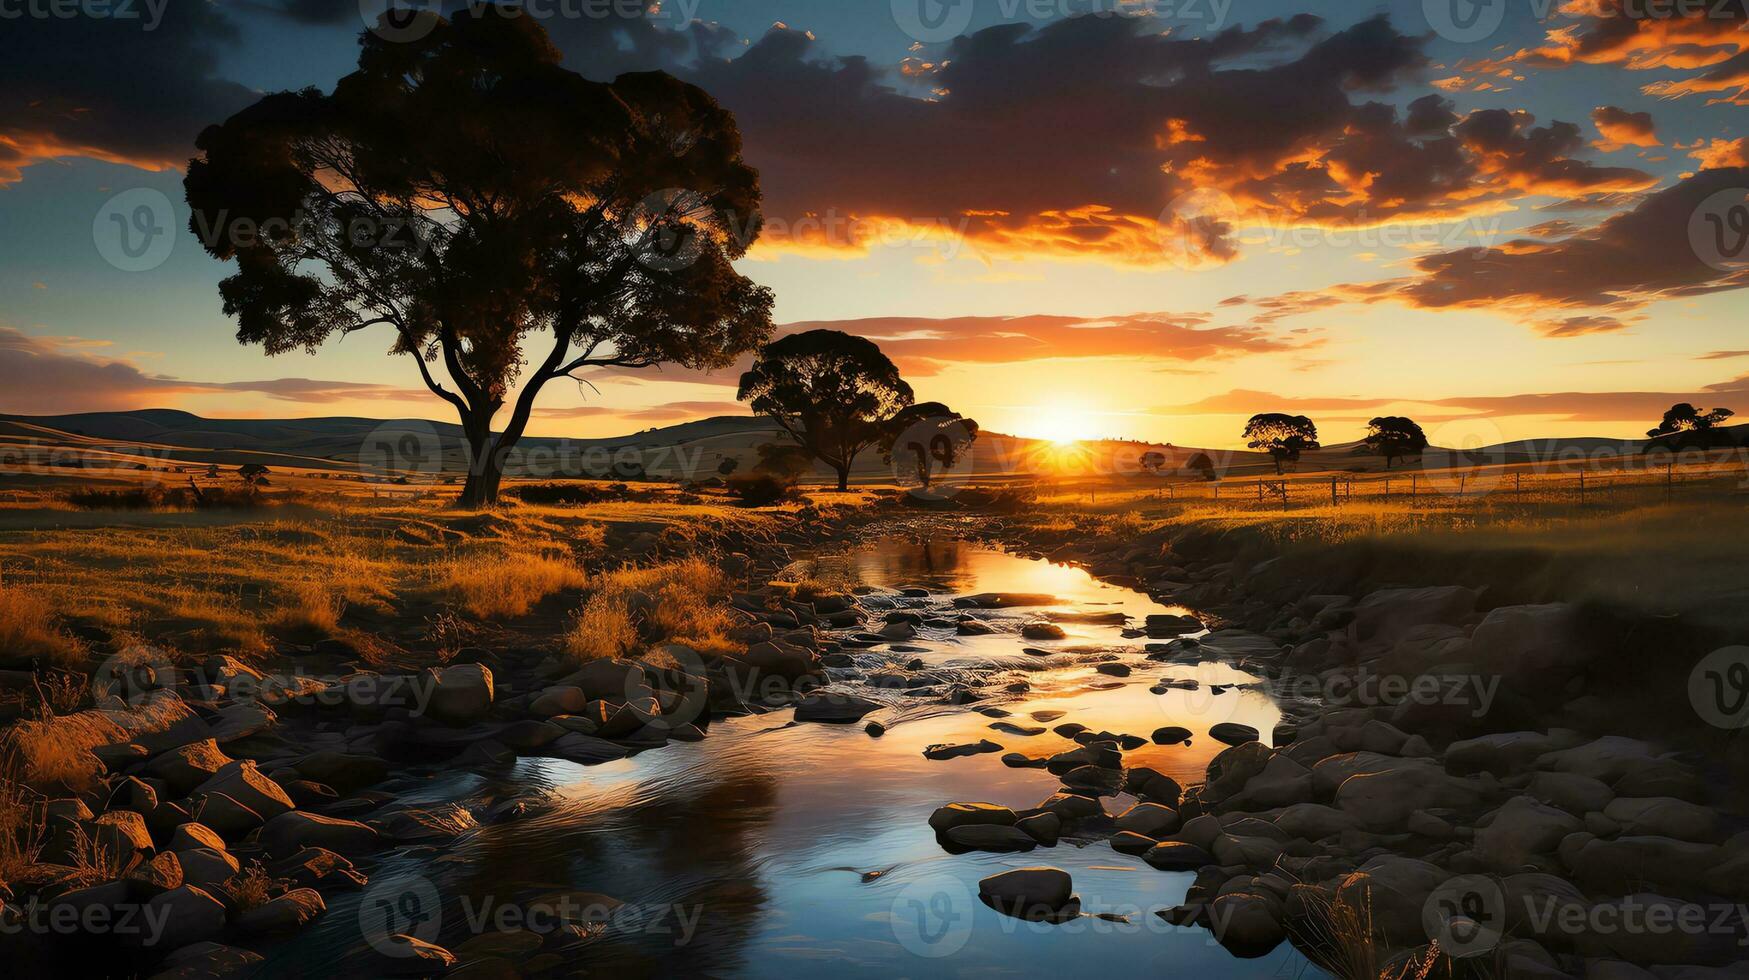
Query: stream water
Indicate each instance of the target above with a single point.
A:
(773, 848)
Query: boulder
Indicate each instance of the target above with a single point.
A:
(1518, 640)
(1153, 786)
(1521, 831)
(1130, 842)
(1042, 631)
(187, 766)
(1072, 806)
(190, 835)
(1629, 862)
(1036, 894)
(208, 961)
(960, 750)
(407, 956)
(316, 867)
(834, 707)
(286, 914)
(1177, 856)
(1282, 782)
(1313, 821)
(461, 695)
(1396, 889)
(558, 700)
(1383, 801)
(1664, 817)
(1571, 792)
(190, 914)
(162, 873)
(1043, 827)
(1248, 923)
(1606, 759)
(346, 772)
(610, 680)
(990, 837)
(1382, 618)
(954, 815)
(529, 735)
(586, 749)
(1234, 733)
(207, 866)
(240, 719)
(1149, 820)
(287, 833)
(244, 783)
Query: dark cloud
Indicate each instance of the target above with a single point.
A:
(1630, 259)
(1620, 128)
(134, 89)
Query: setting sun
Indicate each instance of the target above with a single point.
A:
(1060, 423)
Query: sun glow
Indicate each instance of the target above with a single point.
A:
(1061, 424)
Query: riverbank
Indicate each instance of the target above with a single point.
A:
(1507, 741)
(1393, 737)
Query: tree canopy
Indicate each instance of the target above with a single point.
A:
(1283, 437)
(1684, 417)
(466, 192)
(1393, 437)
(834, 393)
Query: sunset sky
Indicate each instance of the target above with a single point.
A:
(1074, 217)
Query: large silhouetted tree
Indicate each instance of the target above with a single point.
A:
(1684, 417)
(833, 392)
(927, 435)
(1283, 437)
(1393, 437)
(466, 192)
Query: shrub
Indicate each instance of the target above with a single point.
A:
(759, 489)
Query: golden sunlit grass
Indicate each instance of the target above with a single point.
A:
(310, 607)
(22, 818)
(673, 602)
(57, 750)
(30, 628)
(501, 584)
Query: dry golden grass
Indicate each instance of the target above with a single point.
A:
(30, 628)
(1339, 936)
(603, 628)
(22, 817)
(678, 602)
(502, 584)
(249, 888)
(310, 607)
(57, 751)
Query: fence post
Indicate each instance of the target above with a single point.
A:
(1387, 488)
(1581, 486)
(1260, 490)
(1332, 490)
(1518, 484)
(1463, 481)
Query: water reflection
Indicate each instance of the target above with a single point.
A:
(798, 847)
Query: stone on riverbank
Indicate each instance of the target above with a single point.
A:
(1036, 894)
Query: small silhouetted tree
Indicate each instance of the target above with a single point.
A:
(1201, 465)
(728, 465)
(1684, 417)
(834, 393)
(1394, 437)
(1283, 437)
(253, 475)
(1153, 460)
(927, 435)
(467, 192)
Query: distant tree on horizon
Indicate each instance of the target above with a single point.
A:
(928, 434)
(1684, 417)
(1202, 465)
(1283, 437)
(467, 191)
(1153, 461)
(1394, 437)
(833, 392)
(253, 475)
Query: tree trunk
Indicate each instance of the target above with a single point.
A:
(485, 465)
(1278, 469)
